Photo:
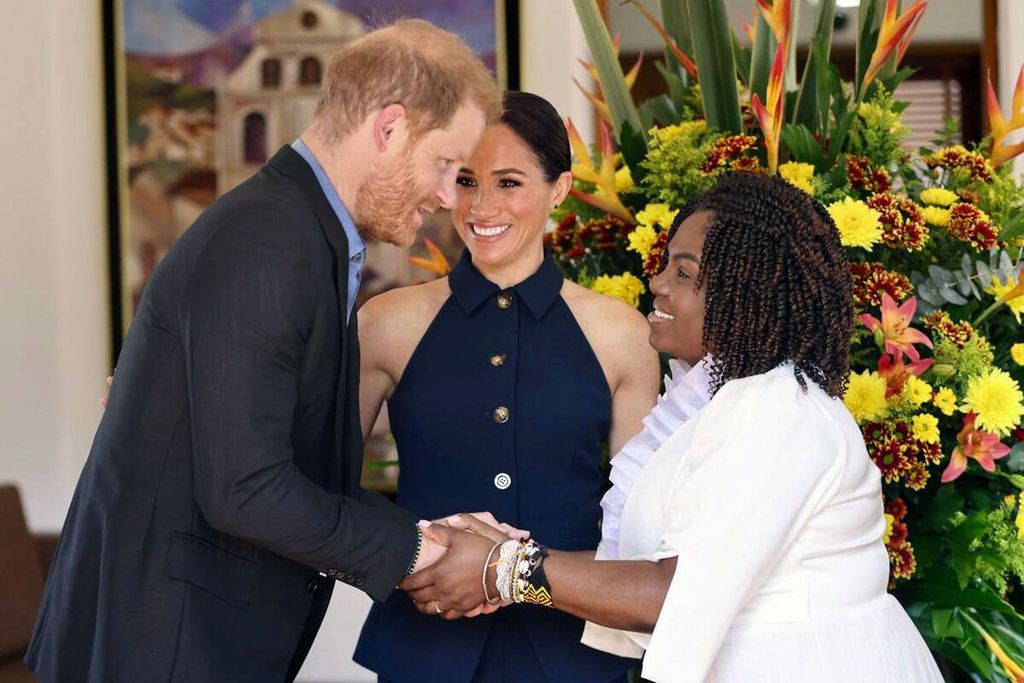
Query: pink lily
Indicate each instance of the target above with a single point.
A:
(895, 329)
(896, 32)
(984, 447)
(1001, 153)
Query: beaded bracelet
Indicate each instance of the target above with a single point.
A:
(520, 573)
(483, 579)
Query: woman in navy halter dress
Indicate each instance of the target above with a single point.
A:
(504, 384)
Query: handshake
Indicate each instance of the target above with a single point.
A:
(456, 573)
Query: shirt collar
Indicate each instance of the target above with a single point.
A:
(538, 292)
(356, 246)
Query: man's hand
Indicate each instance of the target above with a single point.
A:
(430, 552)
(105, 399)
(451, 587)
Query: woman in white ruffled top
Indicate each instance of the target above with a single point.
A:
(743, 532)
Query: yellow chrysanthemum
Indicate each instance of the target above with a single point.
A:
(865, 397)
(935, 215)
(798, 174)
(858, 224)
(641, 240)
(996, 399)
(1019, 521)
(623, 179)
(916, 391)
(925, 428)
(626, 287)
(945, 400)
(1017, 353)
(889, 521)
(666, 133)
(938, 196)
(1000, 288)
(657, 215)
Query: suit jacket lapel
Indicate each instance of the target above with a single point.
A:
(292, 164)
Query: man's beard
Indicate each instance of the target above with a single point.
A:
(387, 201)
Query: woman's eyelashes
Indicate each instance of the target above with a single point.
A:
(682, 274)
(503, 183)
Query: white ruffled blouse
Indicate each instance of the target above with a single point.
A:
(687, 390)
(768, 498)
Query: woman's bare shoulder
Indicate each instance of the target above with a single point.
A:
(402, 312)
(617, 332)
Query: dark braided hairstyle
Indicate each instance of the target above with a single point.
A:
(777, 283)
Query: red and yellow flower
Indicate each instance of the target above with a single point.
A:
(983, 447)
(894, 327)
(903, 224)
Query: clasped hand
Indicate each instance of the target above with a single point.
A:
(452, 587)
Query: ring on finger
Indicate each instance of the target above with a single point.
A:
(437, 607)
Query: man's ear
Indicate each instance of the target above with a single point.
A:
(390, 127)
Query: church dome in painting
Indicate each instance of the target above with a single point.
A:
(310, 20)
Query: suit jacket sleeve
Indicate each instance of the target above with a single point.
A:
(246, 312)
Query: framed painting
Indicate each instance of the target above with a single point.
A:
(201, 92)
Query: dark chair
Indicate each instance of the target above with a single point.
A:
(24, 560)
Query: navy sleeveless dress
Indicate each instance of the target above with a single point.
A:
(503, 407)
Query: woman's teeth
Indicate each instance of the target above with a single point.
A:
(490, 232)
(663, 316)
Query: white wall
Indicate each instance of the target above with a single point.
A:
(54, 339)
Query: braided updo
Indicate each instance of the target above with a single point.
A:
(777, 283)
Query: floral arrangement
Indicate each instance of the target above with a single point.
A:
(935, 239)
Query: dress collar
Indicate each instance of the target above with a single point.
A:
(538, 292)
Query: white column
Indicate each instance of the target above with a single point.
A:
(551, 40)
(1011, 57)
(54, 296)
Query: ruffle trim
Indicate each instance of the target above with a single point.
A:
(687, 391)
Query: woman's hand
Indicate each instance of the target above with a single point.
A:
(484, 524)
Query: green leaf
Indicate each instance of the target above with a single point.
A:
(634, 149)
(660, 110)
(802, 146)
(676, 87)
(676, 20)
(716, 66)
(892, 82)
(941, 621)
(761, 54)
(1013, 230)
(1015, 461)
(809, 109)
(869, 25)
(609, 71)
(742, 56)
(941, 590)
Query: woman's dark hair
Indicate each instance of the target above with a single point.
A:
(777, 283)
(538, 124)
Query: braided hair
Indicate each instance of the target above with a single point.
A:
(777, 283)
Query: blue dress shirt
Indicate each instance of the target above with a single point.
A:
(356, 246)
